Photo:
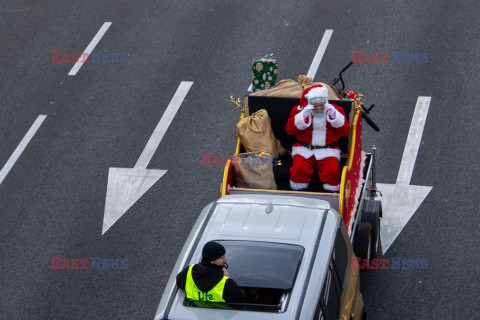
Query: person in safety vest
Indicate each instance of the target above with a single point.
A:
(209, 281)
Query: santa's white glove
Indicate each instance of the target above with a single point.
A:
(331, 111)
(307, 111)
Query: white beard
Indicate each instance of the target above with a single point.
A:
(318, 112)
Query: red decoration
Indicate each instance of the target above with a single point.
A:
(352, 95)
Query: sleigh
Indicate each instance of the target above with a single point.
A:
(357, 188)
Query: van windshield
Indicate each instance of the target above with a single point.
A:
(263, 264)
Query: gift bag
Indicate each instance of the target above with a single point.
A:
(254, 171)
(264, 72)
(256, 134)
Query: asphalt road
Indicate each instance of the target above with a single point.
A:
(52, 201)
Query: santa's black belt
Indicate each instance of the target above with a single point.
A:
(312, 147)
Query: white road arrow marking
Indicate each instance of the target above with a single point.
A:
(125, 186)
(401, 200)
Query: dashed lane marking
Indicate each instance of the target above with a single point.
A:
(320, 52)
(317, 59)
(23, 144)
(90, 47)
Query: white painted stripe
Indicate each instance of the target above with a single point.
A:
(320, 52)
(23, 144)
(413, 141)
(90, 47)
(163, 124)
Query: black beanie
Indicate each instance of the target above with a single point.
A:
(212, 251)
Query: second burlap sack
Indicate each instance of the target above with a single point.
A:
(256, 134)
(254, 171)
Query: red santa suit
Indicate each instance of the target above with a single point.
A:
(316, 133)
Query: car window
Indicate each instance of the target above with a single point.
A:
(263, 264)
(340, 257)
(330, 295)
(319, 312)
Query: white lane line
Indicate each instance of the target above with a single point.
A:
(320, 52)
(90, 47)
(318, 56)
(413, 141)
(163, 125)
(23, 144)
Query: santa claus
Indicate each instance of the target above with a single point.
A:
(317, 125)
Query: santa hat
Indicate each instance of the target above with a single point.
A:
(317, 93)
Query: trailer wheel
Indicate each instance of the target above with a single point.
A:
(374, 221)
(371, 214)
(363, 241)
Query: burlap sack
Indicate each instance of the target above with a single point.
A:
(256, 134)
(254, 171)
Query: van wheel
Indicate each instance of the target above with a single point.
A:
(363, 241)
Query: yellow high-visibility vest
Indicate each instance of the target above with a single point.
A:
(193, 293)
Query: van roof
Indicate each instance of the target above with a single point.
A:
(271, 218)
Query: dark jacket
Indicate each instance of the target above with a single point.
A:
(206, 276)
